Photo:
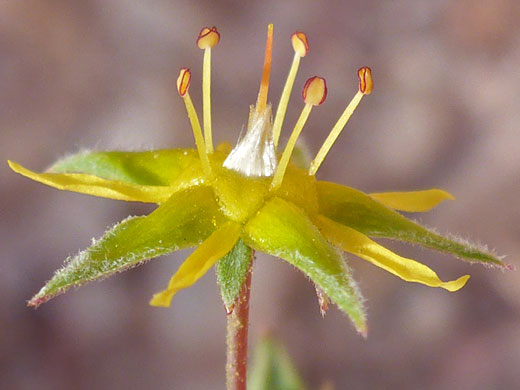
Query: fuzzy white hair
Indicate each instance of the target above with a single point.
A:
(254, 154)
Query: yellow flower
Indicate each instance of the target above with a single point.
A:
(253, 197)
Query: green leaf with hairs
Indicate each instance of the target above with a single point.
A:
(231, 273)
(282, 229)
(359, 211)
(185, 220)
(151, 168)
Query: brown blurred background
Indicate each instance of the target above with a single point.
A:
(444, 113)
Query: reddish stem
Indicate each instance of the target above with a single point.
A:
(237, 327)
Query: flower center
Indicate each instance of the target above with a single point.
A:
(255, 155)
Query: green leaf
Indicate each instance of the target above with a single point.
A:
(185, 220)
(272, 368)
(281, 229)
(151, 168)
(359, 211)
(231, 273)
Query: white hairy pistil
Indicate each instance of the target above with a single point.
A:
(254, 154)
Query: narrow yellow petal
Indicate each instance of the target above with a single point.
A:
(96, 186)
(360, 245)
(199, 262)
(413, 201)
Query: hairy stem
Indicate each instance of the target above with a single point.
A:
(237, 327)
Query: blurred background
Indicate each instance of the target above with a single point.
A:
(101, 75)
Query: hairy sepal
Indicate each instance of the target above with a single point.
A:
(359, 211)
(152, 168)
(231, 273)
(282, 229)
(185, 220)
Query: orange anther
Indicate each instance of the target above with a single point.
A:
(208, 38)
(366, 84)
(183, 81)
(300, 43)
(315, 91)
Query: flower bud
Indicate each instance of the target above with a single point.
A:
(315, 91)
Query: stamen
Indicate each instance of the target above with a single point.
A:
(208, 38)
(301, 47)
(314, 94)
(183, 86)
(264, 84)
(366, 85)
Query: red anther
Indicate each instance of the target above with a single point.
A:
(183, 81)
(366, 84)
(300, 43)
(315, 91)
(208, 38)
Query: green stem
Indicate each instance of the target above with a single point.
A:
(237, 327)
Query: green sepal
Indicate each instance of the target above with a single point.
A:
(282, 229)
(231, 273)
(272, 368)
(185, 220)
(359, 211)
(151, 168)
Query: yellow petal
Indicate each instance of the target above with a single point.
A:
(413, 201)
(93, 185)
(199, 262)
(360, 245)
